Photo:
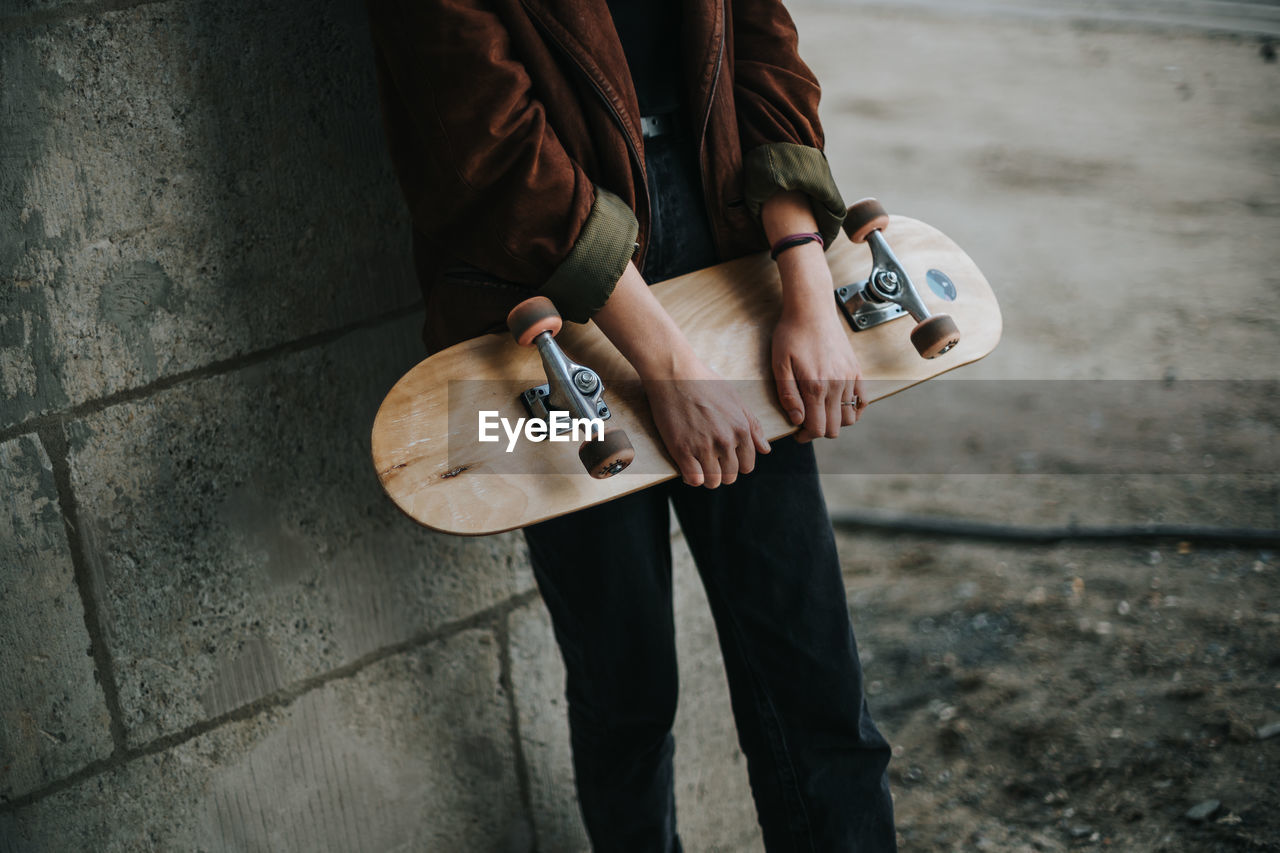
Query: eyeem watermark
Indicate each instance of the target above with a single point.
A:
(560, 427)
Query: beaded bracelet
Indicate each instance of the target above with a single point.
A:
(793, 240)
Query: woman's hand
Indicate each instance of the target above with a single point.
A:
(710, 435)
(816, 371)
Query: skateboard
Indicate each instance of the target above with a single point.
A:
(562, 415)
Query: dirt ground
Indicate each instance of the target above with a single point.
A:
(1073, 696)
(1120, 187)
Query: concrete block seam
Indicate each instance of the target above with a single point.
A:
(208, 371)
(503, 633)
(53, 437)
(492, 618)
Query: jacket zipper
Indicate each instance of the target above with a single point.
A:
(613, 111)
(706, 119)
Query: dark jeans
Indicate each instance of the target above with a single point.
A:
(766, 555)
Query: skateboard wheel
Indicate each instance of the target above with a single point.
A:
(864, 217)
(935, 335)
(533, 317)
(608, 455)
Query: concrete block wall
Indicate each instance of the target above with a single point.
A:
(216, 633)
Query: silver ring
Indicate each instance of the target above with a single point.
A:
(852, 402)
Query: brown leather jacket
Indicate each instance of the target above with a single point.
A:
(514, 128)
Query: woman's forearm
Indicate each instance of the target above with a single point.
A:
(819, 380)
(641, 329)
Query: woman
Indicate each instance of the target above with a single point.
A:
(580, 149)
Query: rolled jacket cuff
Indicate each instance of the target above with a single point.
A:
(784, 166)
(584, 280)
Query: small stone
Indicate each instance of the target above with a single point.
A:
(1270, 730)
(953, 737)
(1203, 811)
(1184, 547)
(1123, 608)
(1240, 732)
(1080, 831)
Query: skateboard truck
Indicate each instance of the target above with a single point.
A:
(570, 387)
(536, 399)
(888, 291)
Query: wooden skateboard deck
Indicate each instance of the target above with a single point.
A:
(425, 437)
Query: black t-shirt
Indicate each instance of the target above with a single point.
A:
(650, 35)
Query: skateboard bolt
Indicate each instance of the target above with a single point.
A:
(586, 381)
(887, 280)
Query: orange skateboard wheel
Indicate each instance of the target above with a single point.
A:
(935, 335)
(533, 317)
(864, 217)
(608, 455)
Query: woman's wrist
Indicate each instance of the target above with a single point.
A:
(806, 280)
(666, 357)
(792, 241)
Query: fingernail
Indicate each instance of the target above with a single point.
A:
(796, 416)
